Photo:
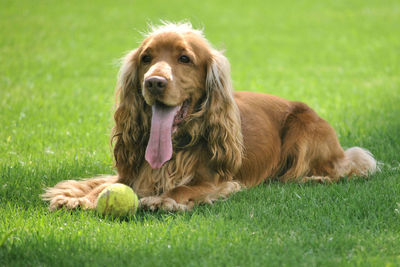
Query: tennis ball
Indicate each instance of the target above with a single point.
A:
(117, 200)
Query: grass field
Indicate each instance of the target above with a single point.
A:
(57, 76)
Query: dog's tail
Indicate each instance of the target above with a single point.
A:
(357, 161)
(71, 193)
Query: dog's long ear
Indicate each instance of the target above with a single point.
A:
(223, 126)
(130, 132)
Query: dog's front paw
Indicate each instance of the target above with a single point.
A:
(61, 201)
(162, 203)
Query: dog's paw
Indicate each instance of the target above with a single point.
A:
(316, 179)
(61, 201)
(162, 203)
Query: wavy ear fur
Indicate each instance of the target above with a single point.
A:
(223, 129)
(130, 132)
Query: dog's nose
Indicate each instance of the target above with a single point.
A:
(155, 84)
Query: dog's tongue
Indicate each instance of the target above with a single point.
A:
(159, 148)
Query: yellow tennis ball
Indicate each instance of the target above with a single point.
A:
(117, 200)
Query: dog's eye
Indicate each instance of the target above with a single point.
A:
(184, 59)
(146, 59)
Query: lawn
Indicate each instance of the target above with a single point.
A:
(58, 66)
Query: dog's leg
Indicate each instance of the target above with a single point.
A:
(316, 179)
(183, 198)
(356, 162)
(311, 150)
(71, 194)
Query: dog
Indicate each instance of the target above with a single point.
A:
(183, 137)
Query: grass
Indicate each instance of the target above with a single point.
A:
(57, 74)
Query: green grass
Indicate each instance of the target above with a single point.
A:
(57, 77)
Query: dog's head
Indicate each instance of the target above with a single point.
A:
(172, 67)
(176, 82)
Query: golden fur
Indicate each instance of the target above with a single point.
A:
(226, 141)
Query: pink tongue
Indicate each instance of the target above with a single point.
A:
(159, 148)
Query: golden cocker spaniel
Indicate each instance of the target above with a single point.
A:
(182, 136)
